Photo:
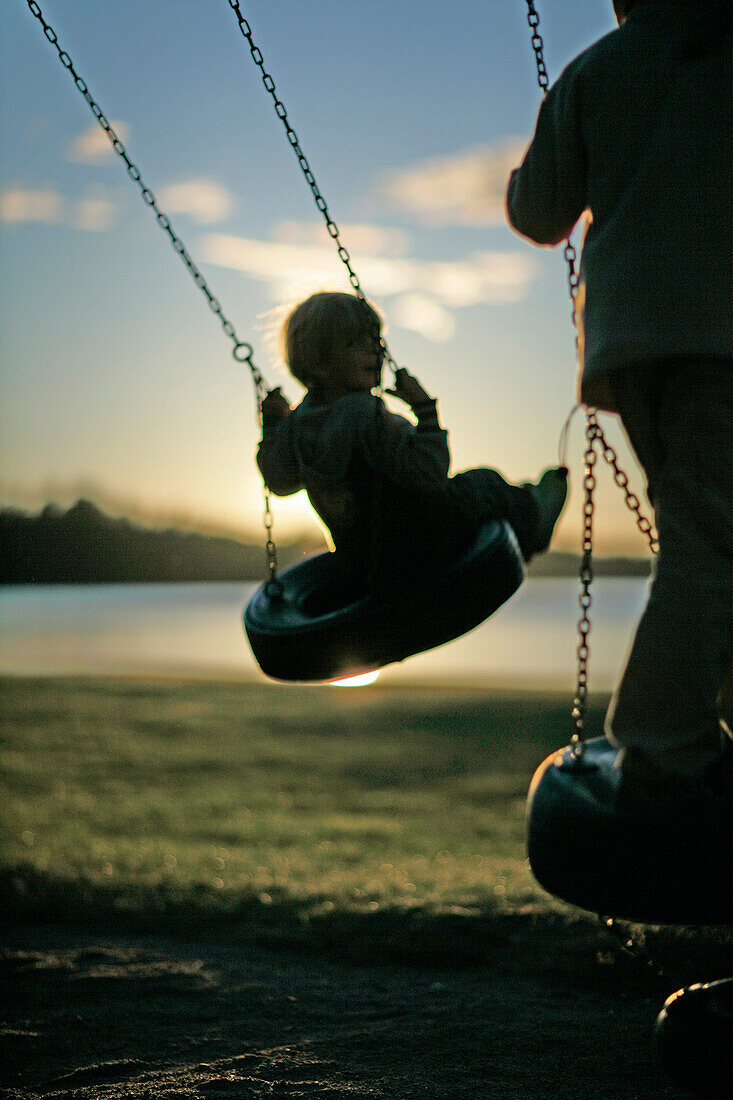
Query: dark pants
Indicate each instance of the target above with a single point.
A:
(418, 532)
(677, 686)
(483, 494)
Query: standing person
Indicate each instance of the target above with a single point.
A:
(636, 133)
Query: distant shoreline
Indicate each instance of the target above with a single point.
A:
(84, 545)
(558, 563)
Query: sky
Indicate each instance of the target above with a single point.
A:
(117, 381)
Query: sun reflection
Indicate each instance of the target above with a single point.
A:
(355, 681)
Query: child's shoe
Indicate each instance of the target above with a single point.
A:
(549, 494)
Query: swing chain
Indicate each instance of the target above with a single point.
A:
(273, 584)
(571, 257)
(538, 46)
(632, 944)
(632, 500)
(241, 350)
(282, 114)
(594, 435)
(543, 80)
(578, 712)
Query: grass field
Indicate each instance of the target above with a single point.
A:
(362, 820)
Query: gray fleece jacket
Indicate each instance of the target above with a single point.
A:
(637, 133)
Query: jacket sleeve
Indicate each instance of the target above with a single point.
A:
(413, 456)
(547, 194)
(274, 458)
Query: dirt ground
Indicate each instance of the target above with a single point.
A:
(99, 1015)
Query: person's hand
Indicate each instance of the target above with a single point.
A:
(274, 408)
(408, 389)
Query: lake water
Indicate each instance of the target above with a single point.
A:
(195, 630)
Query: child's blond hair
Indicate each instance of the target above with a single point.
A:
(321, 325)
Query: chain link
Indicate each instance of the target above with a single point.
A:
(305, 167)
(571, 257)
(592, 432)
(594, 436)
(586, 578)
(538, 46)
(270, 546)
(241, 350)
(632, 944)
(632, 500)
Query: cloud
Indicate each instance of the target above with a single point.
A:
(204, 200)
(465, 189)
(92, 146)
(27, 204)
(95, 212)
(423, 314)
(425, 291)
(377, 239)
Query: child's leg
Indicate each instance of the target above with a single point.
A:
(666, 705)
(532, 510)
(550, 494)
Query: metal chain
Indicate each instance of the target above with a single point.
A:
(632, 501)
(241, 350)
(305, 167)
(586, 578)
(268, 519)
(538, 46)
(571, 257)
(594, 434)
(543, 80)
(632, 944)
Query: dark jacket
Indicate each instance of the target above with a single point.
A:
(637, 132)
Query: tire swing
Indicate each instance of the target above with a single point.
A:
(656, 864)
(316, 622)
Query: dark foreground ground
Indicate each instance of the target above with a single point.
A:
(219, 891)
(99, 1015)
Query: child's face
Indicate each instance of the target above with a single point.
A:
(356, 365)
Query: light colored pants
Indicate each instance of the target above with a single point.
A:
(675, 696)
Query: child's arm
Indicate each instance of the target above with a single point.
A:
(409, 390)
(274, 408)
(279, 472)
(414, 456)
(547, 194)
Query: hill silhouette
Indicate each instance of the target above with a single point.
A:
(84, 545)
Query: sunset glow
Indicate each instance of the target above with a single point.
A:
(356, 681)
(126, 383)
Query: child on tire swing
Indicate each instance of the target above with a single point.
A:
(379, 482)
